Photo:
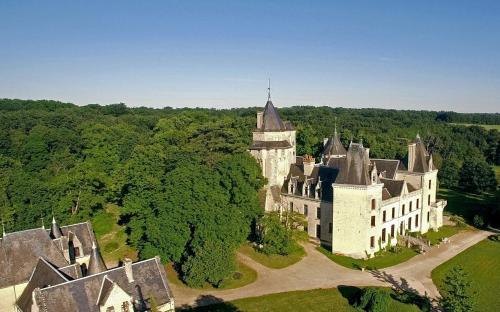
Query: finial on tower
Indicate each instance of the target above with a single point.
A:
(269, 90)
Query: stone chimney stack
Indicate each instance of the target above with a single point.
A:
(260, 119)
(411, 156)
(308, 163)
(127, 263)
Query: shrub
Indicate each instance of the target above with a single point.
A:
(478, 221)
(374, 300)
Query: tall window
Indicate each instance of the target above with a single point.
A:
(330, 228)
(418, 202)
(409, 224)
(318, 231)
(411, 205)
(383, 235)
(401, 228)
(384, 216)
(318, 213)
(393, 212)
(291, 206)
(306, 210)
(372, 242)
(373, 221)
(416, 221)
(428, 216)
(77, 252)
(374, 204)
(403, 209)
(392, 230)
(429, 200)
(430, 184)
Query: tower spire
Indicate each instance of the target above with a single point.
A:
(269, 90)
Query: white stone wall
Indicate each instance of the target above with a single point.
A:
(312, 207)
(9, 295)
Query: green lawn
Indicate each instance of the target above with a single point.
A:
(243, 275)
(444, 231)
(464, 204)
(111, 237)
(318, 300)
(482, 262)
(487, 127)
(273, 261)
(380, 261)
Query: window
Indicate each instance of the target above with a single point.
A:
(77, 252)
(392, 231)
(384, 216)
(372, 242)
(403, 208)
(411, 205)
(318, 213)
(110, 309)
(291, 206)
(409, 224)
(374, 204)
(306, 191)
(383, 235)
(401, 229)
(429, 200)
(430, 184)
(126, 307)
(318, 193)
(373, 221)
(306, 210)
(292, 189)
(318, 231)
(330, 228)
(416, 221)
(428, 216)
(418, 202)
(393, 212)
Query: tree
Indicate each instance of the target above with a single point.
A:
(275, 237)
(477, 176)
(457, 296)
(374, 300)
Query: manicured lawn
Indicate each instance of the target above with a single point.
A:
(482, 262)
(273, 261)
(383, 260)
(111, 237)
(487, 127)
(464, 204)
(444, 231)
(318, 300)
(244, 275)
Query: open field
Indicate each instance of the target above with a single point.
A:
(464, 204)
(244, 275)
(487, 127)
(482, 262)
(319, 300)
(273, 261)
(111, 237)
(444, 231)
(380, 261)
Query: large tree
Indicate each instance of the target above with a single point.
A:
(458, 295)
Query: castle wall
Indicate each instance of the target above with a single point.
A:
(9, 295)
(299, 203)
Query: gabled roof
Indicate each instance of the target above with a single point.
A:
(82, 294)
(19, 254)
(55, 231)
(334, 147)
(44, 274)
(106, 288)
(394, 187)
(357, 166)
(271, 120)
(96, 263)
(84, 232)
(386, 167)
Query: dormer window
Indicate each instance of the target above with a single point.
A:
(306, 190)
(126, 307)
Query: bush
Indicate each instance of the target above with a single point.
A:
(274, 237)
(374, 300)
(478, 221)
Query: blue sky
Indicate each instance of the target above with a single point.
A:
(433, 55)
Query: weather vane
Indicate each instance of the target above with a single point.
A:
(269, 90)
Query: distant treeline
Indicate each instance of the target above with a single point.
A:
(183, 178)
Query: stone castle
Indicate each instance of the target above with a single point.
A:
(354, 204)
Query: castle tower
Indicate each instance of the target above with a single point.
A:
(333, 148)
(273, 145)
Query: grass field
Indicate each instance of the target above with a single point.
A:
(487, 127)
(111, 237)
(244, 275)
(273, 261)
(464, 204)
(482, 262)
(318, 300)
(444, 231)
(382, 260)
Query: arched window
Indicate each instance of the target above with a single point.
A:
(374, 204)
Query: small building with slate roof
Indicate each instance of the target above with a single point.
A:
(354, 204)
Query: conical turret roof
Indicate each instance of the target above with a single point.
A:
(334, 147)
(271, 119)
(96, 263)
(55, 231)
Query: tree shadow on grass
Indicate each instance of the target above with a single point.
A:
(351, 293)
(209, 303)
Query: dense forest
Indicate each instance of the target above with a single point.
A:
(183, 179)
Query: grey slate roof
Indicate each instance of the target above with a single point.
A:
(96, 263)
(386, 167)
(258, 145)
(43, 275)
(357, 166)
(271, 119)
(55, 231)
(19, 254)
(394, 187)
(84, 232)
(82, 294)
(334, 147)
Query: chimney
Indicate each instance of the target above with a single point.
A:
(411, 156)
(260, 119)
(325, 140)
(127, 263)
(367, 151)
(308, 163)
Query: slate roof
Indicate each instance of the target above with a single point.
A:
(334, 147)
(271, 120)
(84, 232)
(19, 254)
(386, 167)
(394, 187)
(43, 275)
(357, 166)
(96, 263)
(258, 145)
(82, 294)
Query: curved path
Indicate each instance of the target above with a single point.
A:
(317, 271)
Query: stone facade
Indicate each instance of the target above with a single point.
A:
(353, 204)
